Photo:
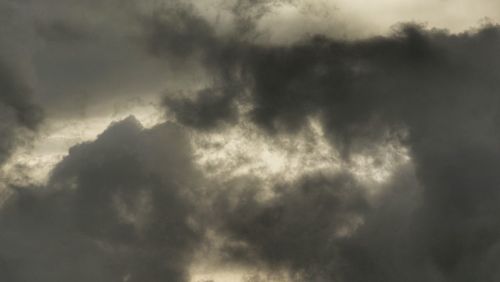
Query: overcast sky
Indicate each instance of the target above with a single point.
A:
(249, 140)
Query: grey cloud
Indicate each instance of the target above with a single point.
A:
(19, 114)
(176, 32)
(61, 31)
(16, 94)
(87, 55)
(121, 208)
(438, 87)
(128, 203)
(300, 228)
(181, 37)
(82, 55)
(210, 109)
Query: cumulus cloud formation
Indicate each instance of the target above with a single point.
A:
(120, 208)
(136, 204)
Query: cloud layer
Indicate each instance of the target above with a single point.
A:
(132, 205)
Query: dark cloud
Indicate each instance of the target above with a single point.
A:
(81, 55)
(247, 14)
(19, 114)
(128, 204)
(210, 109)
(176, 32)
(299, 228)
(436, 92)
(121, 208)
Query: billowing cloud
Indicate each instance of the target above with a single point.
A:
(298, 227)
(121, 208)
(134, 205)
(433, 91)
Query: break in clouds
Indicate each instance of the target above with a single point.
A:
(135, 203)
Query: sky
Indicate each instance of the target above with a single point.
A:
(249, 140)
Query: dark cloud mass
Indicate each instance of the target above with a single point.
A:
(133, 206)
(437, 93)
(210, 108)
(299, 228)
(117, 209)
(19, 114)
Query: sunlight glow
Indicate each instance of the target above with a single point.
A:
(246, 150)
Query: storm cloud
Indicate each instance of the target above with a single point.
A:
(434, 91)
(109, 212)
(134, 205)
